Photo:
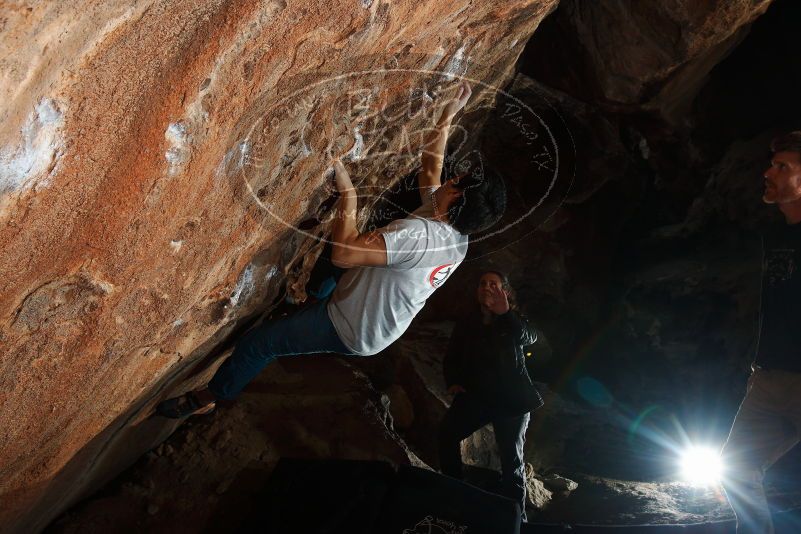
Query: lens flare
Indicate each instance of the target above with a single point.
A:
(701, 466)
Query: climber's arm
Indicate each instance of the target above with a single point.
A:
(434, 143)
(350, 248)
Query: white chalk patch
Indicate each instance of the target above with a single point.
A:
(244, 154)
(244, 287)
(305, 151)
(105, 287)
(366, 3)
(37, 154)
(178, 322)
(175, 156)
(271, 272)
(48, 112)
(355, 153)
(457, 64)
(178, 153)
(512, 44)
(645, 150)
(176, 245)
(176, 133)
(239, 154)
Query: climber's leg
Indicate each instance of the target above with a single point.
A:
(307, 331)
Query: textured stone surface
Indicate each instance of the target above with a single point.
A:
(400, 407)
(154, 157)
(207, 476)
(558, 483)
(640, 53)
(537, 493)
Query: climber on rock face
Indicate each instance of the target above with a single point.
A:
(485, 369)
(768, 422)
(391, 272)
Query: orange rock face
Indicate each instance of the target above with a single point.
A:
(157, 160)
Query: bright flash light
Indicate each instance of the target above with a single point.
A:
(701, 466)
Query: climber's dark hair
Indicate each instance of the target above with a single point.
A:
(483, 199)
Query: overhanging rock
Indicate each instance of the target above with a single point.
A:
(156, 160)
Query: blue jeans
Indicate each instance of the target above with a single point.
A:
(307, 331)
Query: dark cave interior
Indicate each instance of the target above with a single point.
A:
(657, 318)
(686, 375)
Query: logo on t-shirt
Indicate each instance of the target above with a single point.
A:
(440, 274)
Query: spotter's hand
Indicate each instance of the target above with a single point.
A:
(499, 302)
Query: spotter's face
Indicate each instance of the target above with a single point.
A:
(489, 283)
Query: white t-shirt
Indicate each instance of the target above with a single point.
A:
(372, 306)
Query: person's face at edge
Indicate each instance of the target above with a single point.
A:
(783, 178)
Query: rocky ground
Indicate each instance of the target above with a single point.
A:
(206, 475)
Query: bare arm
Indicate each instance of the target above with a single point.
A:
(435, 142)
(350, 248)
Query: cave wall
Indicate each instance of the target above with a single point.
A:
(617, 83)
(156, 159)
(638, 54)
